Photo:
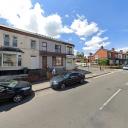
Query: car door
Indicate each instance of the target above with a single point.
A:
(6, 92)
(74, 78)
(2, 92)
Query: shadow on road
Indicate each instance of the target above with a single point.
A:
(6, 106)
(72, 86)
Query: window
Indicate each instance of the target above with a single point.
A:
(0, 60)
(6, 40)
(33, 44)
(57, 61)
(44, 46)
(19, 60)
(14, 42)
(9, 60)
(69, 50)
(58, 48)
(109, 54)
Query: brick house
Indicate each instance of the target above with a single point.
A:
(114, 57)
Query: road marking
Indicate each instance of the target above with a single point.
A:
(105, 104)
(106, 74)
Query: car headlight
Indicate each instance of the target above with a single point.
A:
(26, 88)
(55, 82)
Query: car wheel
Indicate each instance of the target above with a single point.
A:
(82, 81)
(17, 98)
(62, 86)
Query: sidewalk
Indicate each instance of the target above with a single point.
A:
(93, 72)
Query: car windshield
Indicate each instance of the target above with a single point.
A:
(11, 83)
(66, 75)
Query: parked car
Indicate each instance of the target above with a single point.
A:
(125, 67)
(61, 81)
(15, 90)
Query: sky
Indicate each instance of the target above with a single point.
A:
(88, 24)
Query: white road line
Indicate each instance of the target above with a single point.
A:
(106, 74)
(101, 108)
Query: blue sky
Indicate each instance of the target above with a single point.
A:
(88, 24)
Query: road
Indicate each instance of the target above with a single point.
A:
(101, 102)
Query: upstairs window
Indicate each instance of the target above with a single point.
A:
(69, 50)
(33, 44)
(44, 46)
(6, 40)
(14, 41)
(58, 48)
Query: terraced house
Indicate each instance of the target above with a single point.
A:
(21, 49)
(114, 57)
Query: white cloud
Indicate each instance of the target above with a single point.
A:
(81, 27)
(67, 16)
(101, 32)
(22, 14)
(75, 51)
(83, 39)
(125, 49)
(95, 43)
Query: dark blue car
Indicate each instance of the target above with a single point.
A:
(15, 90)
(67, 79)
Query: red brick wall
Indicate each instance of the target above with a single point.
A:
(101, 54)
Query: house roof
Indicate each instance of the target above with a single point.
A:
(11, 49)
(36, 35)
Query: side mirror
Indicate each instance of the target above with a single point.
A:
(2, 89)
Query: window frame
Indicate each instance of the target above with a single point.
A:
(16, 39)
(44, 46)
(3, 62)
(57, 50)
(5, 41)
(69, 50)
(54, 61)
(33, 41)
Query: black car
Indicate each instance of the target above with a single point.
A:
(15, 90)
(61, 81)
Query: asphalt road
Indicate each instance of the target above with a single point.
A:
(102, 102)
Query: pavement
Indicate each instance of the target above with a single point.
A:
(90, 73)
(102, 102)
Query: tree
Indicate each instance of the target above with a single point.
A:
(103, 61)
(80, 54)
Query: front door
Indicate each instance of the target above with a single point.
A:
(44, 62)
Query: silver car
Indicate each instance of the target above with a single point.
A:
(125, 67)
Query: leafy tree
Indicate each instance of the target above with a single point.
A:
(80, 54)
(103, 61)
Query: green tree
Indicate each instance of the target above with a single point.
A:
(103, 61)
(80, 54)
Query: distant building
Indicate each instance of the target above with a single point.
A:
(114, 57)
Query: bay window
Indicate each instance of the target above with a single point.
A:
(10, 60)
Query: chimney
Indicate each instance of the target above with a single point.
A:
(113, 49)
(90, 54)
(121, 51)
(102, 47)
